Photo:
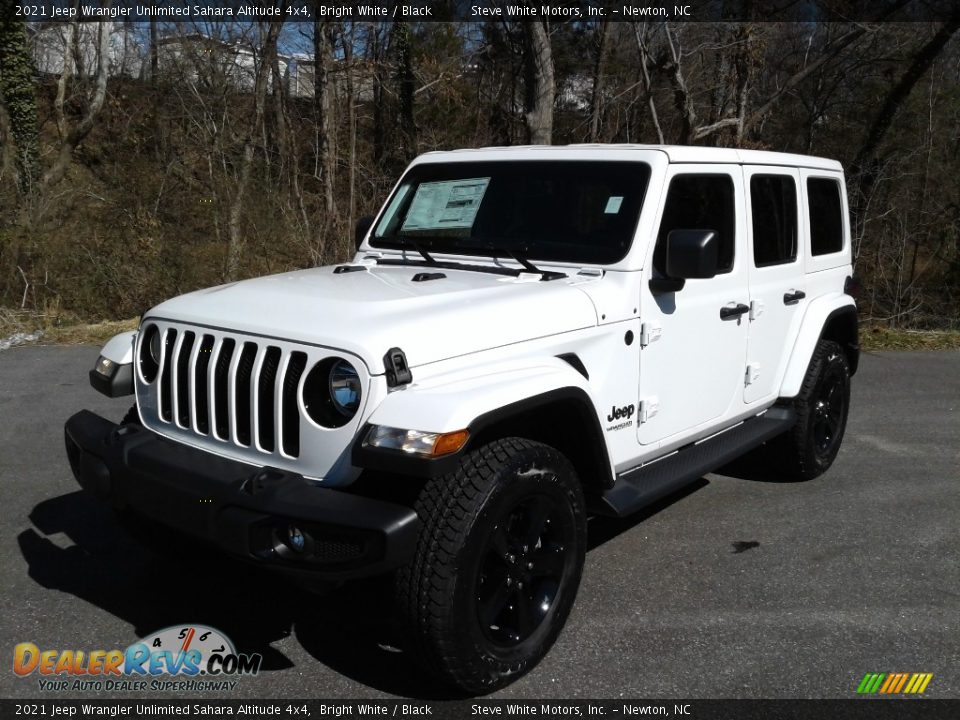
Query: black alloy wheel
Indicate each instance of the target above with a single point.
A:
(497, 565)
(523, 569)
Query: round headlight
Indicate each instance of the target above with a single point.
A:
(149, 353)
(345, 388)
(155, 345)
(332, 392)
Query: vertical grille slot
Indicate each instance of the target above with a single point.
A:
(182, 379)
(266, 388)
(221, 389)
(290, 413)
(201, 377)
(236, 394)
(243, 398)
(166, 363)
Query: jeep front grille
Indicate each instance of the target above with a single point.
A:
(239, 391)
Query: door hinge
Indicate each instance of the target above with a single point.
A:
(752, 374)
(756, 309)
(649, 333)
(648, 408)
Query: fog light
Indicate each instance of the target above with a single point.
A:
(296, 539)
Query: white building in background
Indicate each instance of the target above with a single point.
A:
(302, 74)
(51, 46)
(199, 59)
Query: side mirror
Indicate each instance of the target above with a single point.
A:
(363, 227)
(692, 254)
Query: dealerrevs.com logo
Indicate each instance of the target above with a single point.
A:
(178, 658)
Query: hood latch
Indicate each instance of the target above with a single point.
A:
(398, 371)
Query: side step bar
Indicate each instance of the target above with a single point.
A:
(640, 486)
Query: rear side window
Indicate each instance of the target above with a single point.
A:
(826, 215)
(773, 202)
(699, 202)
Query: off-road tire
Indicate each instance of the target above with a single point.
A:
(821, 406)
(132, 417)
(474, 519)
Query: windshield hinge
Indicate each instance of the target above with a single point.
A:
(398, 371)
(649, 333)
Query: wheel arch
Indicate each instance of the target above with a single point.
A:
(545, 400)
(564, 419)
(832, 318)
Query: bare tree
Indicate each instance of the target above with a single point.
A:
(268, 51)
(324, 37)
(640, 34)
(72, 137)
(596, 93)
(18, 97)
(540, 86)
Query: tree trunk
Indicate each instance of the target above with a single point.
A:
(597, 91)
(407, 87)
(540, 84)
(922, 61)
(154, 52)
(681, 94)
(75, 136)
(640, 35)
(352, 127)
(379, 131)
(235, 247)
(866, 164)
(18, 95)
(322, 92)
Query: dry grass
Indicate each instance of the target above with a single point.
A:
(59, 328)
(81, 334)
(884, 338)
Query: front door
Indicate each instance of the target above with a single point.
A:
(692, 365)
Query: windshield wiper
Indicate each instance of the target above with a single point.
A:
(514, 254)
(407, 240)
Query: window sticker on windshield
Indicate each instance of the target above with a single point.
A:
(445, 204)
(613, 205)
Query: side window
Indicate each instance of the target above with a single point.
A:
(699, 202)
(773, 202)
(826, 215)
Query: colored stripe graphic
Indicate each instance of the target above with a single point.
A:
(894, 683)
(890, 683)
(870, 683)
(914, 683)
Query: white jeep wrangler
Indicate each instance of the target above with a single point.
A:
(525, 336)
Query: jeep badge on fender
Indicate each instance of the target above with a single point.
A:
(624, 412)
(477, 353)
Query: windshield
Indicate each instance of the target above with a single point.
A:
(568, 211)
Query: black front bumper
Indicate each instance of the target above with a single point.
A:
(268, 516)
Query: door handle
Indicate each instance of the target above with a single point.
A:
(727, 312)
(792, 298)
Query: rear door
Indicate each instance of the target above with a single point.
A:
(692, 363)
(775, 226)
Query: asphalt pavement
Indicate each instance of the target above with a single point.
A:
(739, 587)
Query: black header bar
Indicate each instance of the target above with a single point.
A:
(45, 11)
(269, 709)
